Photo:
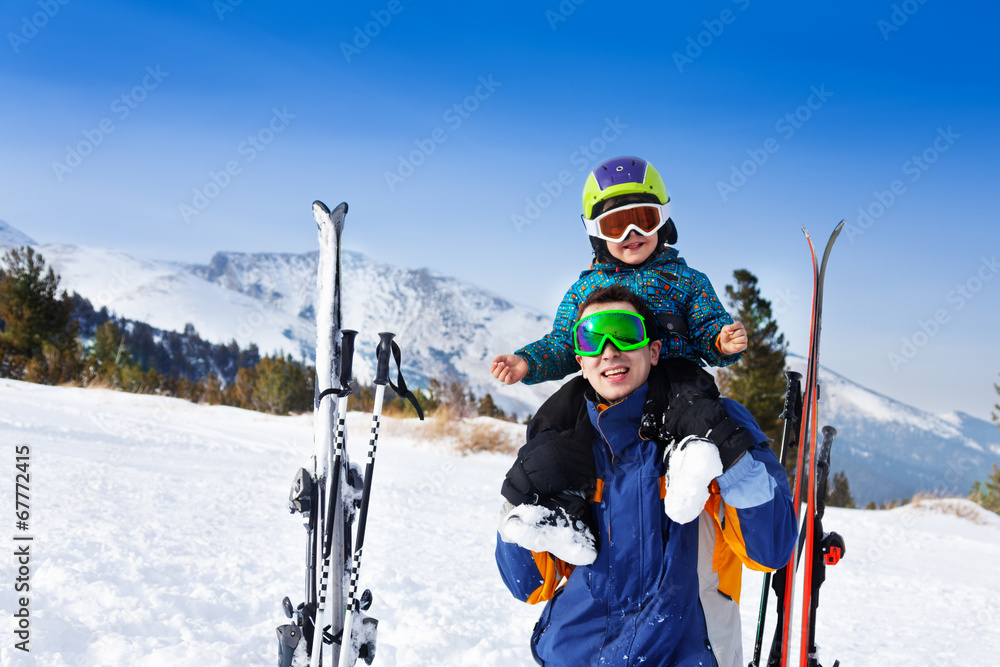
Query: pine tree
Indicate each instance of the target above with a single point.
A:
(239, 393)
(107, 357)
(996, 406)
(839, 495)
(987, 493)
(282, 386)
(758, 379)
(38, 335)
(211, 392)
(486, 407)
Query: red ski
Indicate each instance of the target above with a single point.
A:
(805, 468)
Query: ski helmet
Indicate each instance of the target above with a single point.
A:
(626, 175)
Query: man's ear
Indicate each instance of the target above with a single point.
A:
(579, 360)
(654, 349)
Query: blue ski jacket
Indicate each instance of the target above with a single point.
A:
(688, 312)
(660, 593)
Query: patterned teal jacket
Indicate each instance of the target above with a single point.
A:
(688, 311)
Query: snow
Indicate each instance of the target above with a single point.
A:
(447, 328)
(162, 538)
(11, 236)
(168, 296)
(541, 529)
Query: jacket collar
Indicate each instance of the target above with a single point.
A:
(666, 256)
(618, 423)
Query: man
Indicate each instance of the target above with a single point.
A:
(663, 588)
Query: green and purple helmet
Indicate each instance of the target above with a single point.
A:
(622, 176)
(627, 175)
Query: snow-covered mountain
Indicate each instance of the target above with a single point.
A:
(889, 449)
(449, 329)
(10, 236)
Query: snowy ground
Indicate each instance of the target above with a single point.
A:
(161, 538)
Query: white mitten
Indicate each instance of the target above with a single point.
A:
(691, 465)
(553, 529)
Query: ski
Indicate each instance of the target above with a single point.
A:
(330, 226)
(810, 418)
(322, 511)
(804, 486)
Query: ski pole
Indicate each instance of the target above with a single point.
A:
(332, 516)
(381, 380)
(790, 416)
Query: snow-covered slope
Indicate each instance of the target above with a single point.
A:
(890, 450)
(161, 539)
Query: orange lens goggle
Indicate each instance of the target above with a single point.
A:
(616, 224)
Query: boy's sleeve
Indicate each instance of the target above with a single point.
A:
(552, 357)
(706, 317)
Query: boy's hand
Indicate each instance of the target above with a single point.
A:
(732, 338)
(509, 368)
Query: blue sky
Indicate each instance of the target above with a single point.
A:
(460, 134)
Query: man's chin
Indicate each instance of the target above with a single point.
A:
(613, 392)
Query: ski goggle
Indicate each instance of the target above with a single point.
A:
(615, 225)
(624, 328)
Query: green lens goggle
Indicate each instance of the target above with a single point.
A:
(624, 328)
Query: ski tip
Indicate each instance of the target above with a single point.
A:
(338, 215)
(321, 214)
(835, 234)
(805, 231)
(324, 216)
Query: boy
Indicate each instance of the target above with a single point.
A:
(627, 215)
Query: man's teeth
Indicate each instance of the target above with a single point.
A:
(615, 371)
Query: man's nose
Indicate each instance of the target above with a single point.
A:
(610, 350)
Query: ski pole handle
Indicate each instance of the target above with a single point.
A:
(823, 469)
(384, 355)
(346, 357)
(823, 458)
(791, 395)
